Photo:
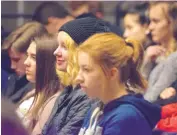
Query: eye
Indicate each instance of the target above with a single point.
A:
(33, 57)
(86, 69)
(64, 47)
(16, 59)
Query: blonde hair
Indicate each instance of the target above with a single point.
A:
(67, 77)
(110, 50)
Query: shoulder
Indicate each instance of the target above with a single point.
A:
(126, 117)
(125, 112)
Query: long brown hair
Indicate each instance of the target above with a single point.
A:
(47, 81)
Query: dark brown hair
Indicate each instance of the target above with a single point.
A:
(47, 81)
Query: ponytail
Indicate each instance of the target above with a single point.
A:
(130, 72)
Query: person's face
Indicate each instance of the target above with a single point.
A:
(133, 28)
(159, 27)
(61, 53)
(91, 76)
(30, 63)
(17, 61)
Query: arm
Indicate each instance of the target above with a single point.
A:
(146, 68)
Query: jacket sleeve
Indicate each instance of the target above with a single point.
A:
(76, 117)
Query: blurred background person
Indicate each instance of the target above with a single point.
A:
(163, 83)
(10, 122)
(86, 8)
(136, 23)
(18, 85)
(52, 15)
(161, 30)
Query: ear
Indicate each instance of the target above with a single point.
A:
(113, 73)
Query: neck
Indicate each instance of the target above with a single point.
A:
(115, 91)
(167, 43)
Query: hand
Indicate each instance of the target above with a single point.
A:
(153, 52)
(167, 93)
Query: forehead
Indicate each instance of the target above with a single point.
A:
(85, 59)
(131, 19)
(32, 48)
(13, 53)
(61, 36)
(158, 10)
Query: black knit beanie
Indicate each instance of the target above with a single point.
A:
(83, 28)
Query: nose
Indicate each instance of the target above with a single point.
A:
(26, 62)
(57, 52)
(79, 78)
(125, 33)
(151, 26)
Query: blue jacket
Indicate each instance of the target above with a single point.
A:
(128, 115)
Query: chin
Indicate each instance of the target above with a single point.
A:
(155, 39)
(20, 74)
(30, 79)
(61, 68)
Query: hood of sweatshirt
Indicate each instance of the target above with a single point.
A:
(151, 112)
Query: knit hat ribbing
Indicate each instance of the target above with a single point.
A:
(83, 28)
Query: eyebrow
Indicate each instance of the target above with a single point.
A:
(85, 66)
(31, 54)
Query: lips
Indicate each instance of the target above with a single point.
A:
(27, 72)
(59, 62)
(83, 87)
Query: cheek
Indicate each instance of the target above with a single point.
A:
(21, 64)
(65, 54)
(95, 84)
(33, 66)
(162, 27)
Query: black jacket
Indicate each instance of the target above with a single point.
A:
(17, 88)
(68, 113)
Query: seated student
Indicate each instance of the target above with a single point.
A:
(107, 63)
(40, 69)
(15, 45)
